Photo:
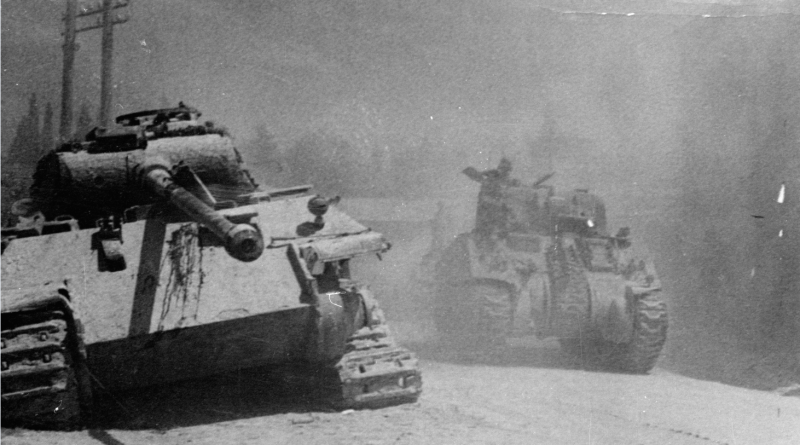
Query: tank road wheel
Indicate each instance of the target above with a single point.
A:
(477, 314)
(42, 371)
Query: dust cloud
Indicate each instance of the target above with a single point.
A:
(684, 117)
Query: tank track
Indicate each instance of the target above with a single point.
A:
(649, 335)
(571, 295)
(639, 355)
(374, 372)
(40, 387)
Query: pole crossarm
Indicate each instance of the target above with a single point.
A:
(92, 8)
(116, 21)
(104, 21)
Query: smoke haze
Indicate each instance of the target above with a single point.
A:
(684, 116)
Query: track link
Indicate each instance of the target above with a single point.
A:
(374, 372)
(639, 355)
(649, 335)
(570, 287)
(39, 384)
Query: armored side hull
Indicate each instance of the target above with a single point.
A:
(591, 295)
(167, 302)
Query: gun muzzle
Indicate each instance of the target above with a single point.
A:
(242, 241)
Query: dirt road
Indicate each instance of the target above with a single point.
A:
(530, 393)
(527, 394)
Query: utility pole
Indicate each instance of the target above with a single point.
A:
(65, 129)
(106, 71)
(106, 21)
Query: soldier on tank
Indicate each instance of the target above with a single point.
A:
(492, 215)
(28, 215)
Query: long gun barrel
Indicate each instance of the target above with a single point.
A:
(242, 241)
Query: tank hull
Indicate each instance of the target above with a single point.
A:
(198, 351)
(177, 306)
(599, 300)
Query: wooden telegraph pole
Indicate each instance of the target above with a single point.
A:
(65, 130)
(106, 21)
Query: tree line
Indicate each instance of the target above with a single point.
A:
(35, 135)
(338, 163)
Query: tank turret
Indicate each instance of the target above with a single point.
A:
(149, 158)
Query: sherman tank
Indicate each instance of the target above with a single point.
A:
(146, 254)
(543, 263)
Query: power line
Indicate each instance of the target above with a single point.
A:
(103, 12)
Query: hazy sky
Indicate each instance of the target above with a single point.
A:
(347, 63)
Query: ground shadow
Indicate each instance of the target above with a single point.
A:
(516, 353)
(236, 395)
(713, 353)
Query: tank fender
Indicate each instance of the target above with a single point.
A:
(317, 253)
(36, 297)
(611, 308)
(342, 310)
(308, 259)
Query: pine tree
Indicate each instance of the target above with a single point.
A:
(22, 156)
(85, 123)
(25, 146)
(48, 140)
(34, 141)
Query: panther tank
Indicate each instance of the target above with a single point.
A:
(147, 254)
(540, 262)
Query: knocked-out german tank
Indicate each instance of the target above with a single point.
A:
(543, 263)
(147, 255)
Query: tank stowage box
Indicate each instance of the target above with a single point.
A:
(147, 255)
(543, 263)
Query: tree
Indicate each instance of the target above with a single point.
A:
(47, 129)
(85, 123)
(22, 156)
(26, 145)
